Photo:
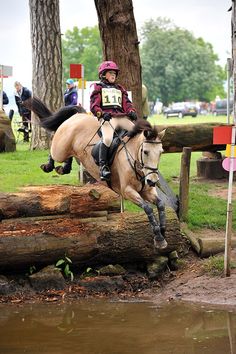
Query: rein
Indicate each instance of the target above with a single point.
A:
(138, 166)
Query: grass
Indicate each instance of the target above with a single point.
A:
(21, 168)
(214, 265)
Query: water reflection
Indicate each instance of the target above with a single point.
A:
(94, 327)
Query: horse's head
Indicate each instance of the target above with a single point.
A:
(149, 155)
(149, 150)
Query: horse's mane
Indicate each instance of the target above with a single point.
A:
(143, 125)
(49, 120)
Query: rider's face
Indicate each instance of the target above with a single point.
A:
(110, 76)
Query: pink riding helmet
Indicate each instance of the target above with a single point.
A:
(108, 65)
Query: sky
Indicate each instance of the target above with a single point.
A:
(208, 19)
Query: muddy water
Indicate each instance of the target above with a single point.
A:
(94, 327)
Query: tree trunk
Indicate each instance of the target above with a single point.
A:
(120, 43)
(118, 238)
(58, 200)
(197, 136)
(47, 62)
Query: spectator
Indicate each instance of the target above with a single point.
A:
(145, 105)
(21, 95)
(71, 94)
(5, 99)
(107, 101)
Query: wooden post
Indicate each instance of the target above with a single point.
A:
(184, 183)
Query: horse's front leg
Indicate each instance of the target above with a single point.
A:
(131, 194)
(152, 196)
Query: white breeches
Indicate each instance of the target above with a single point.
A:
(108, 128)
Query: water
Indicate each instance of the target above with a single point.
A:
(97, 327)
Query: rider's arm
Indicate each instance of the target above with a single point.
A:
(95, 102)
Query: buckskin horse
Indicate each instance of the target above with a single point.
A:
(134, 170)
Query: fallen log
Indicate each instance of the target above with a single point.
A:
(197, 136)
(211, 246)
(58, 199)
(120, 238)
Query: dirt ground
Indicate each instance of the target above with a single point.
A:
(192, 284)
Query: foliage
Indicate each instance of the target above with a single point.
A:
(64, 265)
(89, 272)
(82, 46)
(177, 66)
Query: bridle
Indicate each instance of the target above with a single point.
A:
(138, 165)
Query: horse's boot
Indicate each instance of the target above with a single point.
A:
(49, 166)
(105, 172)
(66, 168)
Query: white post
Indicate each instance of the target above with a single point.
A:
(229, 74)
(122, 207)
(231, 167)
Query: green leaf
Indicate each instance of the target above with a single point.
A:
(60, 262)
(68, 259)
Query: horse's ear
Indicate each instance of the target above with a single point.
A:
(147, 134)
(161, 134)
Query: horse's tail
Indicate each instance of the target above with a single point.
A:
(48, 120)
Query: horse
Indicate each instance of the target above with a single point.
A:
(43, 111)
(134, 171)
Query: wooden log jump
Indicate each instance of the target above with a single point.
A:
(82, 222)
(197, 136)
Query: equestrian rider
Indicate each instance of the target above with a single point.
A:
(107, 101)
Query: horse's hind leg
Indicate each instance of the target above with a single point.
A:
(49, 166)
(66, 168)
(159, 241)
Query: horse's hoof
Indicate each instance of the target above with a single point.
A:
(160, 244)
(46, 168)
(59, 170)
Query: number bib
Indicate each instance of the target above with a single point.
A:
(111, 97)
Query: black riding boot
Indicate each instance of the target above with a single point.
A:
(105, 172)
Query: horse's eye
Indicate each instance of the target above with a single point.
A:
(145, 152)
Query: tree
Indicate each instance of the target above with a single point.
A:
(177, 66)
(82, 47)
(120, 43)
(47, 61)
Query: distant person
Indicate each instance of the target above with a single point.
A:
(5, 99)
(70, 94)
(21, 95)
(145, 105)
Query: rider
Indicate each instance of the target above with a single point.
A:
(107, 101)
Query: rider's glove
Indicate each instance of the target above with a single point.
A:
(107, 116)
(99, 114)
(132, 115)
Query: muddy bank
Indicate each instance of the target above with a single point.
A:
(188, 284)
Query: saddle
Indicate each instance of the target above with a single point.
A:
(119, 134)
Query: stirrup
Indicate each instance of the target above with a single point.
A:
(105, 173)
